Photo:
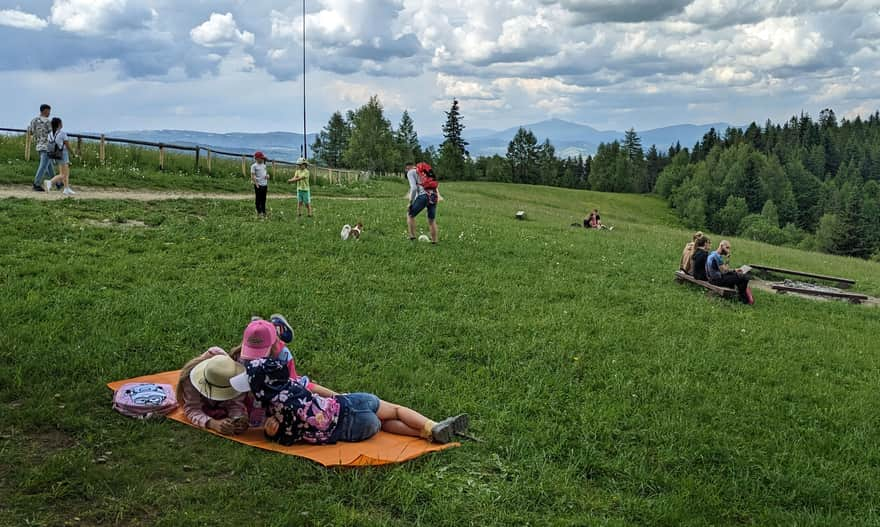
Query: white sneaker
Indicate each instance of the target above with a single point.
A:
(47, 185)
(69, 191)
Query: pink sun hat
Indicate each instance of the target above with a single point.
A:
(259, 337)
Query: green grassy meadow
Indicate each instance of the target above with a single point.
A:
(605, 393)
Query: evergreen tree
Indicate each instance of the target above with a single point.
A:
(407, 140)
(371, 145)
(331, 143)
(453, 150)
(522, 154)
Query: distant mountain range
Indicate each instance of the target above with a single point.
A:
(570, 139)
(276, 145)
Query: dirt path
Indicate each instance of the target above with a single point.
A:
(25, 192)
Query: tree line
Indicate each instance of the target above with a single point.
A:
(814, 184)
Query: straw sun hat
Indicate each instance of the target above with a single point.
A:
(211, 378)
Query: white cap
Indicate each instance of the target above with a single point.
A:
(240, 382)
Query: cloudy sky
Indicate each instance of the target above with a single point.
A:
(231, 65)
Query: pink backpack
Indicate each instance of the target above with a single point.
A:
(143, 400)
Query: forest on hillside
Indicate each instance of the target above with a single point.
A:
(813, 184)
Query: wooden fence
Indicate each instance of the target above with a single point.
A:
(331, 175)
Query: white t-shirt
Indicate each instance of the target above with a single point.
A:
(59, 138)
(260, 174)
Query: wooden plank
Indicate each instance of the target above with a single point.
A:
(79, 146)
(724, 292)
(27, 146)
(101, 149)
(855, 298)
(844, 283)
(244, 173)
(208, 154)
(198, 150)
(161, 157)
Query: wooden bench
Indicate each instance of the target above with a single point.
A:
(724, 292)
(842, 283)
(852, 298)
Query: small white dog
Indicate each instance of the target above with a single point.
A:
(348, 231)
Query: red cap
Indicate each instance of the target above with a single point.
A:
(259, 155)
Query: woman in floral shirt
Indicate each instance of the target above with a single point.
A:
(294, 414)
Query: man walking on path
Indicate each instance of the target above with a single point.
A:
(39, 129)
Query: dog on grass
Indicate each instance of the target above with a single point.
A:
(349, 232)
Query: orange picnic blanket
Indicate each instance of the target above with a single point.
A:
(381, 449)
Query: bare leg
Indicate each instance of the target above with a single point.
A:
(402, 420)
(411, 224)
(65, 172)
(309, 208)
(299, 205)
(432, 224)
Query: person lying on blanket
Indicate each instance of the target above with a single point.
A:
(209, 401)
(294, 414)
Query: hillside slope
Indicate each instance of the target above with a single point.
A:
(605, 393)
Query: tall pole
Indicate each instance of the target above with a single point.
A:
(305, 141)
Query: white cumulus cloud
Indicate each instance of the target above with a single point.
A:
(220, 31)
(88, 17)
(21, 20)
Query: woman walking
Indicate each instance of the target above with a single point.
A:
(59, 150)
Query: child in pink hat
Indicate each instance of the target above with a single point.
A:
(261, 341)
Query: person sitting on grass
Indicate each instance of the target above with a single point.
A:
(303, 192)
(687, 255)
(719, 273)
(590, 221)
(702, 246)
(208, 400)
(297, 415)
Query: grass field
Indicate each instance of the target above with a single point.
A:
(605, 393)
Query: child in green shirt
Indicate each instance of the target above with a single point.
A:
(303, 194)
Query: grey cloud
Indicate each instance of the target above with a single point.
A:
(593, 11)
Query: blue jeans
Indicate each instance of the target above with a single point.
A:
(46, 168)
(359, 421)
(421, 203)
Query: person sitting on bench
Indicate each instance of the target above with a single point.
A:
(698, 261)
(720, 274)
(687, 255)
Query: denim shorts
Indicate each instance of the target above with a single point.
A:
(359, 421)
(304, 196)
(420, 203)
(65, 158)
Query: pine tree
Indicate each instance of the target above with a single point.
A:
(453, 150)
(408, 140)
(522, 155)
(331, 143)
(371, 146)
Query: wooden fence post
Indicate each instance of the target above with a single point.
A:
(161, 156)
(208, 154)
(198, 151)
(243, 170)
(79, 146)
(274, 171)
(101, 149)
(27, 146)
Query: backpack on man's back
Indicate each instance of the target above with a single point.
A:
(426, 176)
